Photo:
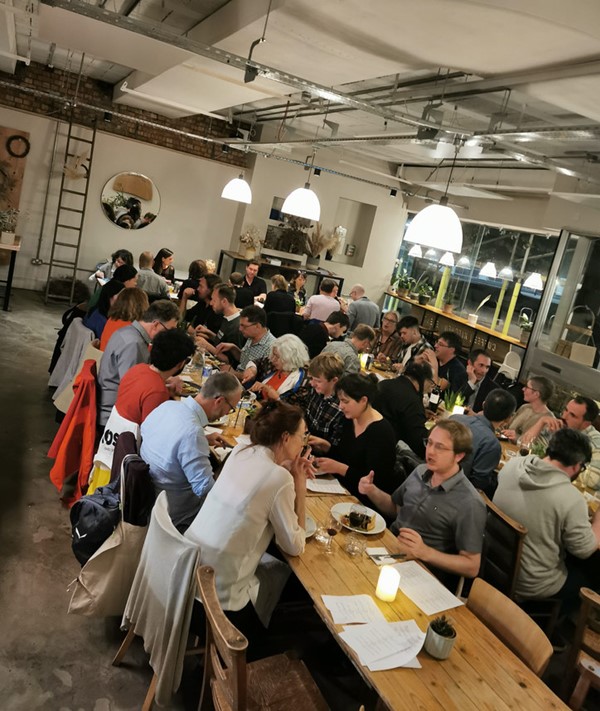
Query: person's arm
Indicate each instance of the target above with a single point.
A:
(194, 458)
(381, 499)
(183, 299)
(208, 347)
(461, 563)
(485, 462)
(578, 537)
(547, 422)
(307, 309)
(231, 348)
(352, 316)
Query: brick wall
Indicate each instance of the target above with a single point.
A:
(62, 85)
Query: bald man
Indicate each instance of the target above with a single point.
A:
(362, 309)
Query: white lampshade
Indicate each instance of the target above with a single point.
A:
(431, 254)
(238, 190)
(463, 262)
(436, 226)
(303, 202)
(506, 273)
(534, 281)
(415, 251)
(447, 259)
(488, 270)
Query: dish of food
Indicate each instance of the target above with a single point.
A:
(190, 388)
(366, 521)
(310, 526)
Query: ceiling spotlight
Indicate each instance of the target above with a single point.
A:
(534, 281)
(488, 270)
(463, 262)
(506, 273)
(393, 192)
(317, 171)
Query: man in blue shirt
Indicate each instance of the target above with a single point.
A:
(177, 450)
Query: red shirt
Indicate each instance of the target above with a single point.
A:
(112, 325)
(140, 391)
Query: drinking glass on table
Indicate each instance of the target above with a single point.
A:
(333, 527)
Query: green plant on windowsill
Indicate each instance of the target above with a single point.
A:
(452, 400)
(425, 289)
(525, 324)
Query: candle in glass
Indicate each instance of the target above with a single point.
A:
(387, 585)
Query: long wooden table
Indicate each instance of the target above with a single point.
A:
(481, 673)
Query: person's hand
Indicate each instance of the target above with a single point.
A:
(226, 368)
(397, 367)
(302, 467)
(331, 466)
(99, 274)
(412, 543)
(215, 439)
(188, 293)
(257, 387)
(223, 347)
(380, 358)
(202, 331)
(174, 385)
(365, 485)
(249, 374)
(319, 443)
(471, 376)
(510, 434)
(553, 424)
(201, 342)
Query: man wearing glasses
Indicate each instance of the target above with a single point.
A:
(448, 371)
(176, 448)
(539, 494)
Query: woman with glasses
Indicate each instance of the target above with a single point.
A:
(258, 497)
(288, 358)
(536, 393)
(367, 442)
(297, 290)
(440, 517)
(387, 346)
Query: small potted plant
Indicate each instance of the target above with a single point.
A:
(440, 638)
(425, 293)
(452, 400)
(404, 284)
(250, 241)
(8, 225)
(525, 324)
(449, 301)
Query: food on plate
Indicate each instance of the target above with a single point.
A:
(189, 388)
(361, 520)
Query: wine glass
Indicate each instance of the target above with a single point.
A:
(333, 527)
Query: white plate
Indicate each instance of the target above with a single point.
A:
(310, 526)
(340, 510)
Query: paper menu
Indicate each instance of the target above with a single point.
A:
(385, 645)
(348, 609)
(424, 590)
(324, 485)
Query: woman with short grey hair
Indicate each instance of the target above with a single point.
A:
(288, 357)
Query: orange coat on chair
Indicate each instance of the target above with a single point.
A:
(74, 445)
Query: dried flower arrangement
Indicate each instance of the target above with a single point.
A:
(251, 238)
(318, 240)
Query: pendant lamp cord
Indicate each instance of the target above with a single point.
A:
(456, 149)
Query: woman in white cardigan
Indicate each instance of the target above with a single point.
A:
(288, 357)
(259, 495)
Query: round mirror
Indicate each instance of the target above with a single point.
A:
(130, 201)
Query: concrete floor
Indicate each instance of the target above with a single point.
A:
(48, 659)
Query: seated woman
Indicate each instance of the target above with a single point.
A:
(105, 270)
(128, 307)
(278, 300)
(297, 290)
(287, 359)
(97, 317)
(387, 340)
(536, 394)
(163, 264)
(367, 443)
(259, 495)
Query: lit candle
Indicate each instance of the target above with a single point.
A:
(387, 585)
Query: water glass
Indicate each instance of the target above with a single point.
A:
(355, 545)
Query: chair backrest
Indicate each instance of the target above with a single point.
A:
(511, 625)
(280, 323)
(511, 365)
(586, 638)
(225, 657)
(502, 548)
(161, 598)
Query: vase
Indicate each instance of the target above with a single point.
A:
(7, 237)
(448, 308)
(413, 296)
(524, 337)
(423, 300)
(437, 646)
(312, 262)
(249, 252)
(402, 292)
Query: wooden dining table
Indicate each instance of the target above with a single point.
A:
(481, 673)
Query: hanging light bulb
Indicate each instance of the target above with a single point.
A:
(534, 281)
(506, 274)
(447, 259)
(431, 254)
(463, 262)
(238, 190)
(488, 270)
(415, 251)
(437, 226)
(303, 202)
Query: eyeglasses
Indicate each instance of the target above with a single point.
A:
(442, 345)
(232, 408)
(304, 436)
(390, 320)
(582, 467)
(160, 323)
(436, 446)
(528, 387)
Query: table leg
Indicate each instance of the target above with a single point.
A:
(11, 271)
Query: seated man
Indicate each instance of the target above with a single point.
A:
(413, 341)
(360, 341)
(223, 304)
(129, 346)
(243, 295)
(253, 327)
(148, 280)
(536, 394)
(578, 414)
(481, 465)
(201, 314)
(362, 309)
(316, 335)
(448, 371)
(478, 384)
(253, 282)
(177, 450)
(440, 517)
(322, 304)
(538, 493)
(400, 401)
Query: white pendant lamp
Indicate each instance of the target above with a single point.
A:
(506, 274)
(238, 190)
(437, 226)
(488, 270)
(303, 202)
(534, 281)
(415, 251)
(431, 254)
(447, 259)
(463, 262)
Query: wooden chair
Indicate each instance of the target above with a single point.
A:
(584, 652)
(277, 682)
(511, 625)
(502, 548)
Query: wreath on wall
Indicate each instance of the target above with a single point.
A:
(13, 150)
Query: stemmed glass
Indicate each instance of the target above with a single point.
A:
(333, 527)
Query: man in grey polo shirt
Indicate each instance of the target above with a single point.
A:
(360, 341)
(362, 309)
(129, 346)
(440, 517)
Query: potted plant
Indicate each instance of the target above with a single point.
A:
(450, 299)
(425, 293)
(452, 400)
(8, 225)
(250, 241)
(525, 324)
(440, 638)
(404, 284)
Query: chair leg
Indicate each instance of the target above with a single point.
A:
(580, 692)
(149, 700)
(124, 647)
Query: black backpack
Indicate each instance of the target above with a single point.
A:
(93, 519)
